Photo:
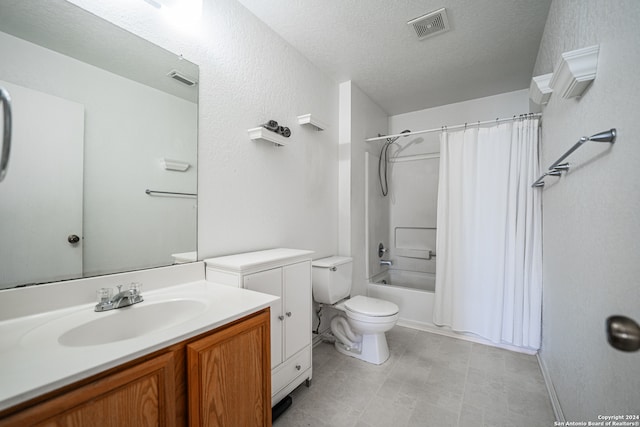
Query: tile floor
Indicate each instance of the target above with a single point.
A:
(429, 380)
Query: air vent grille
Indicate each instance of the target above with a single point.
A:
(432, 23)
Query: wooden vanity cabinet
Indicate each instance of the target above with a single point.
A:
(220, 378)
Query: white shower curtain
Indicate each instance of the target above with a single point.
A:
(489, 239)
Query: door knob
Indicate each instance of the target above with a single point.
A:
(73, 238)
(623, 333)
(281, 317)
(288, 313)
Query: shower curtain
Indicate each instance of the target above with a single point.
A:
(489, 239)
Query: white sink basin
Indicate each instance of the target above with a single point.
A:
(131, 322)
(87, 328)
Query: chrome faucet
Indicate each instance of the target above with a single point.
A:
(125, 298)
(388, 263)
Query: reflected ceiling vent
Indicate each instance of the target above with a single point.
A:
(432, 23)
(176, 75)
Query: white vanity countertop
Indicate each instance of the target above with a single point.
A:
(33, 362)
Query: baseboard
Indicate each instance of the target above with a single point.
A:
(429, 327)
(555, 403)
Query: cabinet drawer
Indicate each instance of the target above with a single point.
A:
(290, 369)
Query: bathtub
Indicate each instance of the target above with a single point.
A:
(412, 291)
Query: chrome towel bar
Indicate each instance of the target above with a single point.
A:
(557, 168)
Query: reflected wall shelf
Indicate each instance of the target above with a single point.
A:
(174, 165)
(308, 119)
(263, 134)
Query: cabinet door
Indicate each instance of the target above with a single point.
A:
(270, 282)
(229, 376)
(297, 307)
(143, 395)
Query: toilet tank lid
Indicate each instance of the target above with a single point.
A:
(332, 261)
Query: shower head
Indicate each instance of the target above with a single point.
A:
(392, 140)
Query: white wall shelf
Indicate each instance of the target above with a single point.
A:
(576, 70)
(174, 165)
(263, 134)
(539, 91)
(308, 119)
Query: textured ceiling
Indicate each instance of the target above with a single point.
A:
(490, 49)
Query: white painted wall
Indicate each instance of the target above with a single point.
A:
(479, 109)
(252, 195)
(360, 118)
(121, 157)
(591, 224)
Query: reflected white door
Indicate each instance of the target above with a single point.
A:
(41, 195)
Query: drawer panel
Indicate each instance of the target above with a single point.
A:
(290, 369)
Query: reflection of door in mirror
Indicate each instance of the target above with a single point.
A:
(41, 196)
(138, 121)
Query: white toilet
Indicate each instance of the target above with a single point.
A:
(360, 332)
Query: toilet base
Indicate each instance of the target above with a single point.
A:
(374, 349)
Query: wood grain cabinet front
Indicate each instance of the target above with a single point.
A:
(229, 376)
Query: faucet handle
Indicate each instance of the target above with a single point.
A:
(119, 288)
(104, 295)
(135, 287)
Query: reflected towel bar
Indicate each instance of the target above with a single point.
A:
(169, 193)
(556, 168)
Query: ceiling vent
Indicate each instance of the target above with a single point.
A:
(432, 23)
(177, 75)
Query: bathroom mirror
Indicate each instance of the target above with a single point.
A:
(100, 116)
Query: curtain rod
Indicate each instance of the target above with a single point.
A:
(440, 129)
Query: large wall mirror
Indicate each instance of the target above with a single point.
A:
(100, 116)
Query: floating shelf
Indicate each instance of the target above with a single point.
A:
(576, 70)
(539, 91)
(175, 165)
(263, 134)
(308, 119)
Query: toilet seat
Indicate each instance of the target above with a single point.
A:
(366, 307)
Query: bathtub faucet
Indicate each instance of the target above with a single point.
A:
(388, 263)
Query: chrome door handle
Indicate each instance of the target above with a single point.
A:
(6, 134)
(623, 333)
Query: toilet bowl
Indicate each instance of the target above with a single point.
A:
(365, 319)
(361, 325)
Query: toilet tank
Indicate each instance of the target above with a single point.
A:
(331, 279)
